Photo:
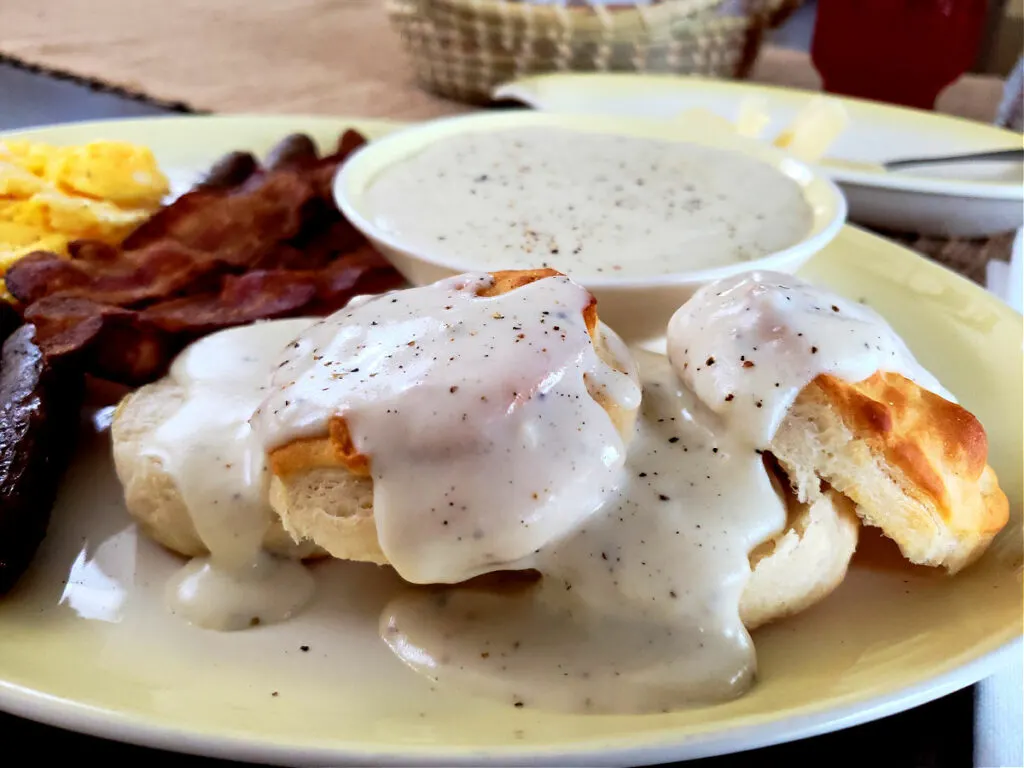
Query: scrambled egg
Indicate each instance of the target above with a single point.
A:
(52, 195)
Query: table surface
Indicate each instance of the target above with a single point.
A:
(935, 735)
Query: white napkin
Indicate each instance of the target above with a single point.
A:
(999, 705)
(999, 716)
(1005, 280)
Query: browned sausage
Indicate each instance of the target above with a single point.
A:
(39, 406)
(230, 171)
(293, 151)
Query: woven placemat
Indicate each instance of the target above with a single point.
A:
(969, 257)
(301, 56)
(336, 57)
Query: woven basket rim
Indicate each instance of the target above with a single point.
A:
(535, 11)
(463, 30)
(453, 46)
(545, 19)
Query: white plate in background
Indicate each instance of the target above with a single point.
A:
(964, 200)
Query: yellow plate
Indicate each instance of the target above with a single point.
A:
(85, 642)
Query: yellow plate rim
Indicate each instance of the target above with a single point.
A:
(954, 673)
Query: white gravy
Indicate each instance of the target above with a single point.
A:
(638, 610)
(485, 443)
(489, 452)
(746, 345)
(220, 472)
(588, 204)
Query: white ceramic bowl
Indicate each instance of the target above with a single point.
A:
(637, 308)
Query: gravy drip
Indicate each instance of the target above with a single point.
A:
(588, 204)
(484, 440)
(747, 345)
(220, 472)
(638, 610)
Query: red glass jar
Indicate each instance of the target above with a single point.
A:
(899, 51)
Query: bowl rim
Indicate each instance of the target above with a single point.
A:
(826, 225)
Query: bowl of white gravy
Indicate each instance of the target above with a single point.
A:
(641, 212)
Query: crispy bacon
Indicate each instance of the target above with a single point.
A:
(250, 243)
(163, 269)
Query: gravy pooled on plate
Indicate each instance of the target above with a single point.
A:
(489, 451)
(206, 446)
(638, 608)
(487, 423)
(588, 204)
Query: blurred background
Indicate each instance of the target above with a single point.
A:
(395, 58)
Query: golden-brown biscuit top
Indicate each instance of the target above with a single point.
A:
(939, 446)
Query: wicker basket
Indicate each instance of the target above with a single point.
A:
(464, 48)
